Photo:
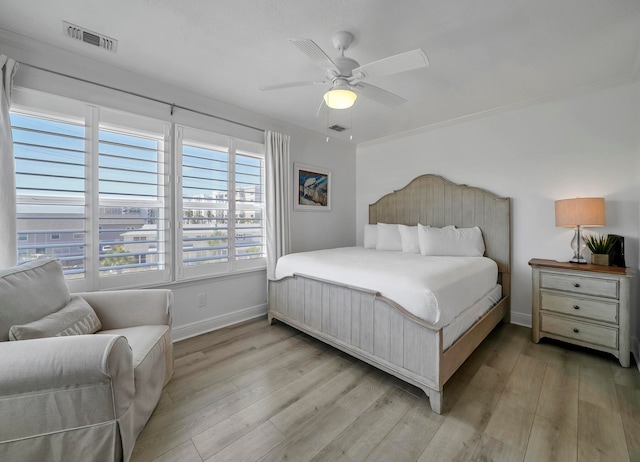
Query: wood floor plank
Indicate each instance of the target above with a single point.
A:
(260, 392)
(480, 398)
(550, 442)
(357, 441)
(186, 452)
(409, 438)
(558, 400)
(491, 449)
(626, 376)
(597, 387)
(454, 440)
(251, 446)
(513, 416)
(629, 400)
(600, 434)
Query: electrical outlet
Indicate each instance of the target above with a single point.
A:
(202, 300)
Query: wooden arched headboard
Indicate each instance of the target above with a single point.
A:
(435, 201)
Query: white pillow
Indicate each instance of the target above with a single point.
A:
(370, 236)
(76, 318)
(409, 238)
(388, 237)
(450, 241)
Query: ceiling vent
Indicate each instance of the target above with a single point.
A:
(86, 36)
(337, 128)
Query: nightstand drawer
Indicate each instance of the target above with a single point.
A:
(578, 330)
(580, 307)
(580, 284)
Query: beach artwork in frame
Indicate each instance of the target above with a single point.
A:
(312, 188)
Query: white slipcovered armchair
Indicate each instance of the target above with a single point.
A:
(78, 397)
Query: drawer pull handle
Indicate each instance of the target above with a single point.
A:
(576, 307)
(576, 330)
(575, 284)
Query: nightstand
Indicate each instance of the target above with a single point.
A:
(586, 305)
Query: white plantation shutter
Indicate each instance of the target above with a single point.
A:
(132, 189)
(50, 189)
(222, 205)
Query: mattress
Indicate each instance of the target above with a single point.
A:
(435, 289)
(454, 330)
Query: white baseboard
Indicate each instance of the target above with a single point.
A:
(217, 322)
(521, 319)
(635, 350)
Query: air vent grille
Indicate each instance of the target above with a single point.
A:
(86, 36)
(337, 128)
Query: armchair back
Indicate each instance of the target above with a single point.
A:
(30, 292)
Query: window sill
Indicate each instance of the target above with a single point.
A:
(212, 277)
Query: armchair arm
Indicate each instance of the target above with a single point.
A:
(118, 309)
(63, 383)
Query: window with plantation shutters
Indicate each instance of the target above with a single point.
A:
(124, 200)
(222, 205)
(91, 192)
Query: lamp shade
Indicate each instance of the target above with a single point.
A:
(340, 98)
(582, 211)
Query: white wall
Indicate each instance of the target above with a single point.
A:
(583, 145)
(229, 298)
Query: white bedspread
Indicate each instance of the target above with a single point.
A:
(436, 289)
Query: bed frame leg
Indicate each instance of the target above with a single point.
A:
(269, 318)
(435, 400)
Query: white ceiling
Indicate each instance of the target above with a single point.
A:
(484, 54)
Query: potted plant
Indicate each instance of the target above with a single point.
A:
(600, 246)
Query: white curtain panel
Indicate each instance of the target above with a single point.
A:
(8, 249)
(278, 195)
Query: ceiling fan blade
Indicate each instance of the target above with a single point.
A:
(379, 95)
(407, 61)
(313, 51)
(301, 83)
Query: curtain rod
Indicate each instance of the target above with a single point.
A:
(172, 106)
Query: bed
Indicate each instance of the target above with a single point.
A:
(367, 324)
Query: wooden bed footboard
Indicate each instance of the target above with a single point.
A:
(376, 330)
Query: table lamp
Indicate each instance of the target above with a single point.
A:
(578, 213)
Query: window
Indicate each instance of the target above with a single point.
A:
(222, 204)
(93, 190)
(65, 216)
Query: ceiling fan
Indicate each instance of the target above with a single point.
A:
(348, 78)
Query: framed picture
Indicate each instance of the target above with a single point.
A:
(312, 187)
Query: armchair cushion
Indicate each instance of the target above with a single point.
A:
(30, 292)
(76, 318)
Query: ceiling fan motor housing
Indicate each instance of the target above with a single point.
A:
(345, 65)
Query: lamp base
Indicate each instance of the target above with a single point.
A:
(578, 245)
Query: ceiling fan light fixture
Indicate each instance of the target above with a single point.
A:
(340, 98)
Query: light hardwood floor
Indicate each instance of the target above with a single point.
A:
(269, 393)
